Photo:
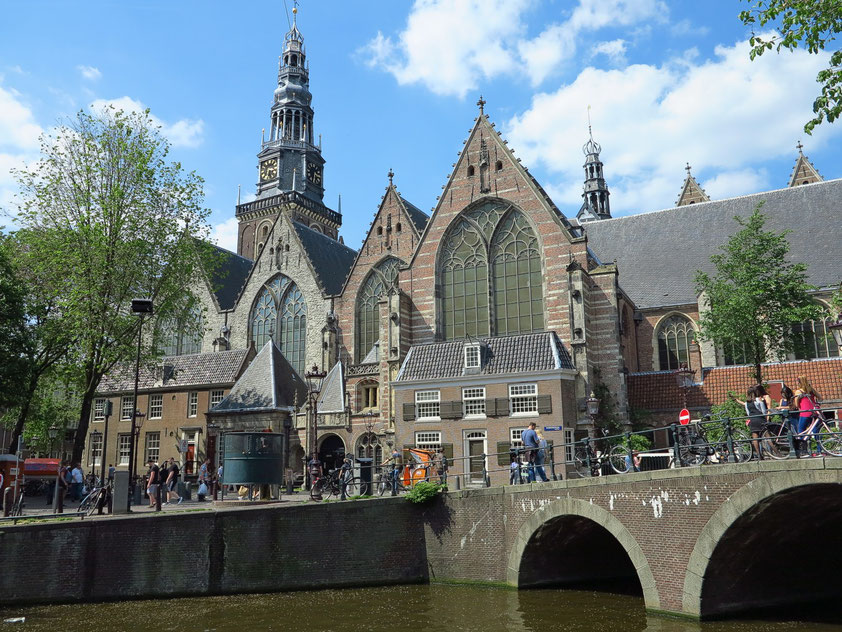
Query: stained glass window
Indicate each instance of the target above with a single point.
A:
(501, 237)
(280, 313)
(382, 279)
(674, 337)
(183, 335)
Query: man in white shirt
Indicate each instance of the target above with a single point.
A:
(77, 479)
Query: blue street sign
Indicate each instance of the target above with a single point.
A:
(551, 428)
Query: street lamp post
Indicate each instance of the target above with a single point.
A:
(314, 379)
(684, 379)
(593, 411)
(141, 307)
(52, 433)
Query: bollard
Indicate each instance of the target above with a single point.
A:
(676, 451)
(8, 501)
(457, 478)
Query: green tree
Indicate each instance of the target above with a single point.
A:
(813, 24)
(756, 295)
(14, 367)
(108, 218)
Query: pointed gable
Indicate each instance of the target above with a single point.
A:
(804, 172)
(332, 396)
(330, 260)
(226, 276)
(691, 192)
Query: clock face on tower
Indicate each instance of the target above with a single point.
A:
(268, 169)
(314, 173)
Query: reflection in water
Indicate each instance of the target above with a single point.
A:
(407, 608)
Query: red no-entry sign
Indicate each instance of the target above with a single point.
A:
(684, 417)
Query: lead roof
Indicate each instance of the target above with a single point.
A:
(331, 260)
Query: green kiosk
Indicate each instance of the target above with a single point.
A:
(252, 459)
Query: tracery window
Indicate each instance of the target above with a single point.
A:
(382, 280)
(813, 340)
(674, 337)
(280, 313)
(369, 447)
(182, 335)
(502, 237)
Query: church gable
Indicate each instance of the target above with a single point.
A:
(691, 192)
(804, 172)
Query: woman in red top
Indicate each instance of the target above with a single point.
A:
(808, 406)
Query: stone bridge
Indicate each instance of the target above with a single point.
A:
(701, 542)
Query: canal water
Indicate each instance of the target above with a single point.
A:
(435, 608)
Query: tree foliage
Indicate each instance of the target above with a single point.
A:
(813, 24)
(107, 218)
(756, 294)
(14, 367)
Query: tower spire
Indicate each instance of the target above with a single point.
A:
(595, 205)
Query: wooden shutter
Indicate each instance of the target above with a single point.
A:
(409, 411)
(545, 404)
(448, 451)
(451, 410)
(503, 448)
(491, 408)
(501, 406)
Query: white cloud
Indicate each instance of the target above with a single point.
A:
(224, 234)
(449, 46)
(615, 51)
(19, 144)
(90, 73)
(183, 133)
(740, 182)
(724, 115)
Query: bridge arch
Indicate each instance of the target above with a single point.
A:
(597, 522)
(762, 547)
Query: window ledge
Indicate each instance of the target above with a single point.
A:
(530, 414)
(428, 419)
(475, 417)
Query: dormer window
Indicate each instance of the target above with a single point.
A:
(472, 356)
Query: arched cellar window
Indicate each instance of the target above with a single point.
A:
(813, 340)
(183, 335)
(280, 312)
(382, 279)
(674, 337)
(501, 235)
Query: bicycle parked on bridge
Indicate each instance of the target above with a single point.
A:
(329, 485)
(587, 461)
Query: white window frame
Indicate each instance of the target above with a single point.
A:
(216, 397)
(472, 356)
(569, 438)
(428, 402)
(99, 409)
(428, 440)
(473, 402)
(96, 449)
(124, 449)
(523, 400)
(156, 401)
(126, 407)
(149, 449)
(515, 438)
(192, 403)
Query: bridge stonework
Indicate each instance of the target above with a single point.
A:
(668, 523)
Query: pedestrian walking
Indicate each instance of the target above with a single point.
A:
(395, 460)
(152, 482)
(755, 407)
(345, 474)
(442, 465)
(514, 468)
(541, 457)
(111, 470)
(63, 486)
(77, 481)
(171, 482)
(530, 444)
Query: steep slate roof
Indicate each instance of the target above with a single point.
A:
(658, 253)
(331, 260)
(228, 276)
(418, 217)
(332, 396)
(200, 369)
(268, 384)
(524, 353)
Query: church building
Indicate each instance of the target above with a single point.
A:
(455, 330)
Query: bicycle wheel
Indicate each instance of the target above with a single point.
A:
(383, 484)
(774, 442)
(741, 439)
(832, 441)
(87, 502)
(356, 487)
(316, 490)
(580, 463)
(617, 459)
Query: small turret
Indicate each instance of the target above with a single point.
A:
(595, 205)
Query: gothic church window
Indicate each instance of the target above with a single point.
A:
(813, 340)
(490, 251)
(280, 313)
(382, 279)
(181, 335)
(674, 337)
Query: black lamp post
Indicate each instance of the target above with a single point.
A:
(684, 380)
(593, 408)
(141, 307)
(314, 379)
(52, 433)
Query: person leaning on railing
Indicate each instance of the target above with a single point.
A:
(756, 410)
(809, 407)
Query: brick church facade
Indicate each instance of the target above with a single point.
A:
(456, 329)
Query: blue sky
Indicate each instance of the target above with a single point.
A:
(395, 85)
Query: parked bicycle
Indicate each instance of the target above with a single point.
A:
(384, 483)
(96, 498)
(330, 485)
(588, 461)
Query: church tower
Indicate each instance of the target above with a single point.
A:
(596, 204)
(290, 165)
